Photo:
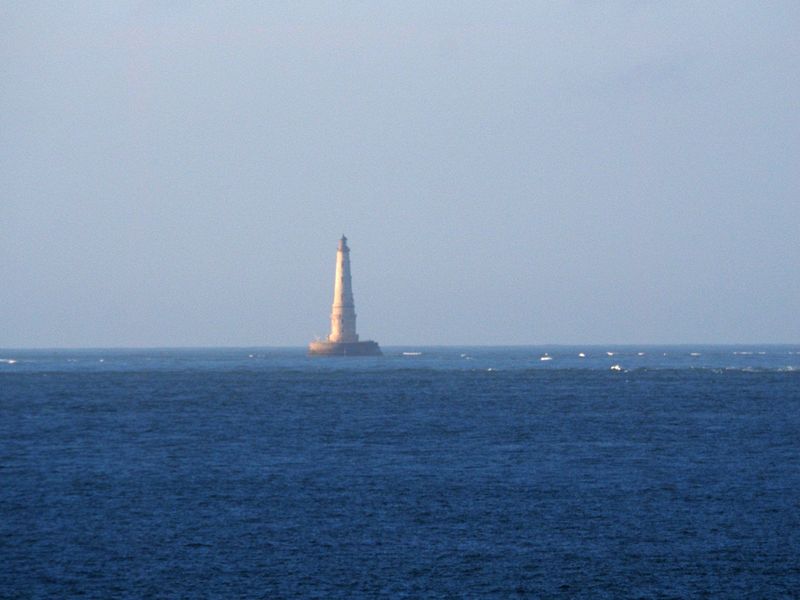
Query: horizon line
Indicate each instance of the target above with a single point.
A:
(305, 346)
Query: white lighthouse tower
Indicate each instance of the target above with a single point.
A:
(343, 311)
(343, 339)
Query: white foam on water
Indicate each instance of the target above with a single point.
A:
(8, 361)
(616, 368)
(545, 357)
(694, 354)
(412, 353)
(610, 353)
(581, 355)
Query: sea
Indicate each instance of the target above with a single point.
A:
(445, 472)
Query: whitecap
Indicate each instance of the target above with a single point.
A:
(610, 353)
(581, 355)
(616, 368)
(412, 353)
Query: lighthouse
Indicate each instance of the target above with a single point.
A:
(343, 339)
(343, 311)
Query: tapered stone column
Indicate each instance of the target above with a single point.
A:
(343, 311)
(343, 339)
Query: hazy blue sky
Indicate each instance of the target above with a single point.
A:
(178, 173)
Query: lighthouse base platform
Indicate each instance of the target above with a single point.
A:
(366, 348)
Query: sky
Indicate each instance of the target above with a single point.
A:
(179, 173)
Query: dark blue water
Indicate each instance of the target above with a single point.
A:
(460, 472)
